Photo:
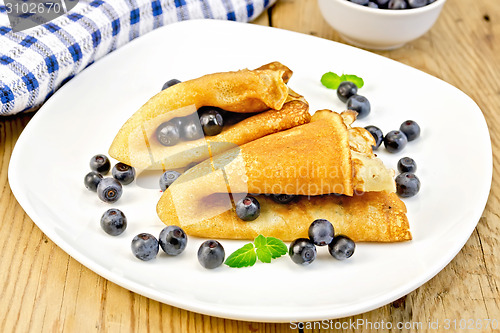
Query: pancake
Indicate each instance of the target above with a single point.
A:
(364, 217)
(261, 93)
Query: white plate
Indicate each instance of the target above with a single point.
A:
(453, 155)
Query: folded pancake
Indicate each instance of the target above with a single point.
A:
(364, 217)
(321, 157)
(145, 152)
(313, 160)
(261, 94)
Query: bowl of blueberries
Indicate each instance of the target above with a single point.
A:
(380, 24)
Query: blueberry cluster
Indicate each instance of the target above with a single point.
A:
(191, 127)
(302, 251)
(393, 4)
(172, 240)
(407, 183)
(347, 92)
(208, 121)
(395, 141)
(108, 189)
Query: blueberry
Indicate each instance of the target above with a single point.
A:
(248, 208)
(113, 222)
(382, 3)
(211, 254)
(109, 190)
(100, 163)
(377, 135)
(395, 141)
(173, 240)
(190, 128)
(283, 198)
(342, 247)
(91, 180)
(397, 4)
(168, 134)
(360, 104)
(211, 121)
(302, 251)
(167, 178)
(144, 246)
(125, 174)
(346, 89)
(372, 4)
(360, 2)
(170, 83)
(321, 232)
(407, 184)
(411, 129)
(407, 164)
(417, 3)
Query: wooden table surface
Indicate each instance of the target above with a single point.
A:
(43, 289)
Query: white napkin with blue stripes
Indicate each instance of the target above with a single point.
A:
(34, 63)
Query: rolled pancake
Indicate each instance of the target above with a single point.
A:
(365, 217)
(312, 159)
(244, 91)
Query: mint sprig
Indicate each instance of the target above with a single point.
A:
(332, 80)
(262, 248)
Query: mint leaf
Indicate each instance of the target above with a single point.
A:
(276, 247)
(242, 257)
(264, 254)
(330, 80)
(260, 241)
(354, 79)
(266, 248)
(269, 248)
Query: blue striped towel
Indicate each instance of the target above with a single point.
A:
(34, 63)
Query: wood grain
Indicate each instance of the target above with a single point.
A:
(42, 289)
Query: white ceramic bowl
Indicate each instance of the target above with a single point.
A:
(375, 28)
